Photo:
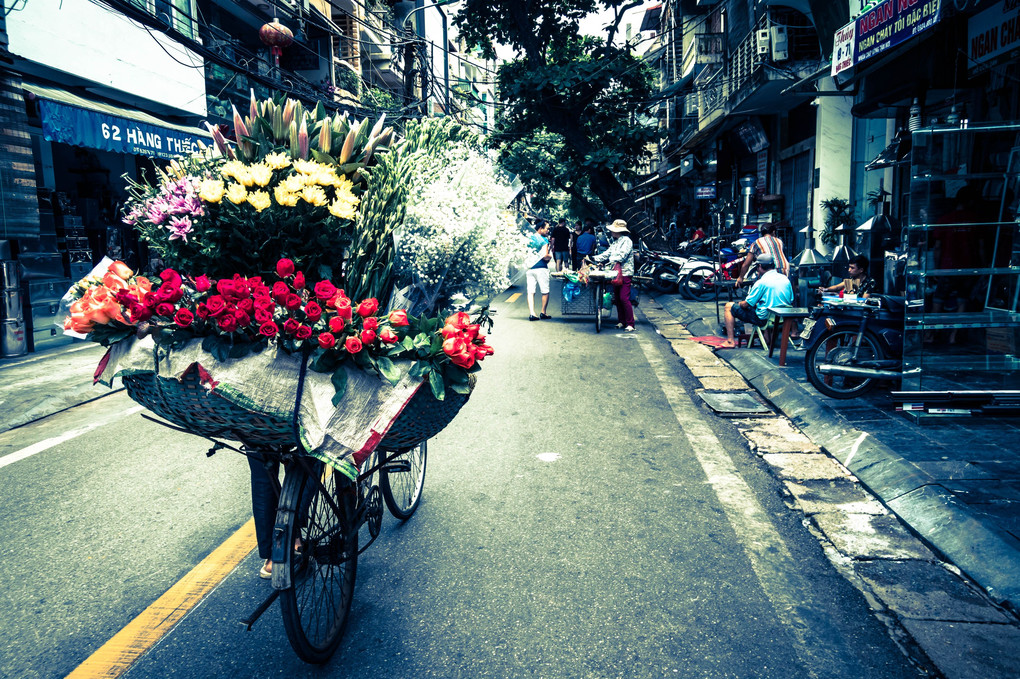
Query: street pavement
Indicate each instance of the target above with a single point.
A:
(914, 480)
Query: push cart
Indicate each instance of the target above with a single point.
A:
(588, 300)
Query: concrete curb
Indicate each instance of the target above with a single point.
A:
(989, 555)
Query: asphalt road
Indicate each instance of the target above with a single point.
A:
(583, 517)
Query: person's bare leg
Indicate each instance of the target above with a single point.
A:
(728, 314)
(545, 302)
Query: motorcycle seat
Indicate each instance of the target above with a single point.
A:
(893, 304)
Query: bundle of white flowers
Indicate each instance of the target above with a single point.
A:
(458, 237)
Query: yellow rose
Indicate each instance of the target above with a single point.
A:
(259, 200)
(277, 161)
(314, 195)
(237, 194)
(261, 173)
(284, 197)
(211, 190)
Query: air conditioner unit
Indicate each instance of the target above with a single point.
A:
(780, 43)
(763, 41)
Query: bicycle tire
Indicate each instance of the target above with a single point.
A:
(402, 488)
(693, 284)
(835, 347)
(317, 603)
(599, 310)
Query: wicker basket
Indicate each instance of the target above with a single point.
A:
(190, 405)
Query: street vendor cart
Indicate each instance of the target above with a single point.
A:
(584, 293)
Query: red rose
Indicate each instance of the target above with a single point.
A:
(459, 320)
(353, 345)
(264, 303)
(216, 305)
(254, 283)
(290, 326)
(202, 283)
(268, 329)
(471, 331)
(303, 332)
(398, 317)
(151, 299)
(453, 345)
(140, 313)
(343, 308)
(450, 331)
(325, 290)
(202, 311)
(247, 304)
(336, 324)
(292, 302)
(227, 322)
(313, 311)
(184, 318)
(299, 280)
(464, 360)
(368, 307)
(284, 268)
(164, 309)
(238, 289)
(261, 315)
(280, 291)
(225, 286)
(327, 340)
(242, 318)
(171, 277)
(168, 293)
(367, 336)
(388, 336)
(371, 323)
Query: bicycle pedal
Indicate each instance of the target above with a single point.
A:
(397, 466)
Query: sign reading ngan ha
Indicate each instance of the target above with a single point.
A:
(881, 28)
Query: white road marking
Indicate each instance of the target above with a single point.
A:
(41, 446)
(548, 457)
(781, 576)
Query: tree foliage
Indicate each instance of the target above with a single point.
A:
(579, 103)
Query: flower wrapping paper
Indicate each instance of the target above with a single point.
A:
(266, 382)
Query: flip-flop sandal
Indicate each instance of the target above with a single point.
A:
(264, 573)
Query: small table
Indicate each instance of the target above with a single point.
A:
(789, 315)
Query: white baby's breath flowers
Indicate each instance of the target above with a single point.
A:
(458, 237)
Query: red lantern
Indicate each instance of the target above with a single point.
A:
(276, 36)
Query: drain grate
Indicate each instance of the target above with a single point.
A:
(734, 403)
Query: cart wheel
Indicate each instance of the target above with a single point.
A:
(598, 310)
(316, 605)
(402, 479)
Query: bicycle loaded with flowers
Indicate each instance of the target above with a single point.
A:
(312, 241)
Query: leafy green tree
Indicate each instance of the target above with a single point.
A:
(577, 101)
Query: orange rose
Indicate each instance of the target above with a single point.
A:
(143, 283)
(121, 270)
(114, 282)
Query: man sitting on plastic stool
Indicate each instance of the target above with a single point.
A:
(771, 289)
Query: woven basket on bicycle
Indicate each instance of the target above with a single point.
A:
(190, 405)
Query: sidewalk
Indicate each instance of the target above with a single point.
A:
(36, 385)
(954, 482)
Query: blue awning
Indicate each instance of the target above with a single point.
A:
(71, 119)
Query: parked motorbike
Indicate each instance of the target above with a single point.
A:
(850, 347)
(662, 271)
(700, 282)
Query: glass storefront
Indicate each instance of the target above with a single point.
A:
(963, 270)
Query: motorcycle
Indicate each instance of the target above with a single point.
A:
(662, 271)
(700, 282)
(852, 346)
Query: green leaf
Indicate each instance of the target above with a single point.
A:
(461, 388)
(387, 369)
(239, 350)
(339, 381)
(417, 370)
(436, 382)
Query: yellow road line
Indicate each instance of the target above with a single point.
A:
(513, 298)
(115, 656)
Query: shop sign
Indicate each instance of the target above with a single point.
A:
(843, 48)
(993, 33)
(893, 22)
(705, 192)
(106, 132)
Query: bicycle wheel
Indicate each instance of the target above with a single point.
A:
(317, 602)
(699, 284)
(402, 479)
(837, 349)
(599, 309)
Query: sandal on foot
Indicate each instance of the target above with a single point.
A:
(265, 573)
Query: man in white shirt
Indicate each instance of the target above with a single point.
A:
(771, 289)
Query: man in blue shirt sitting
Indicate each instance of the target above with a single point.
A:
(771, 289)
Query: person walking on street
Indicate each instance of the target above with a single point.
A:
(771, 289)
(561, 245)
(575, 261)
(537, 275)
(621, 252)
(585, 243)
